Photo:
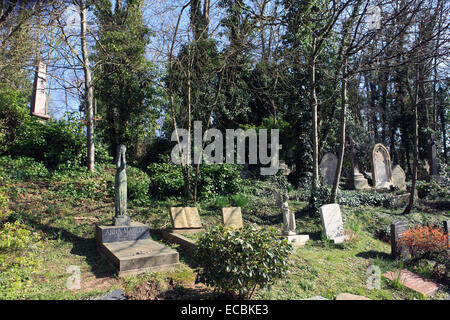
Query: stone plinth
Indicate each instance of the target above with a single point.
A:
(136, 231)
(297, 240)
(130, 250)
(186, 244)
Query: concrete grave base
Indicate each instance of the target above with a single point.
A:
(186, 244)
(129, 249)
(297, 240)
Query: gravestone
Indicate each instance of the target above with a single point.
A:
(126, 245)
(185, 218)
(332, 223)
(399, 177)
(358, 179)
(327, 167)
(397, 229)
(232, 217)
(381, 167)
(39, 96)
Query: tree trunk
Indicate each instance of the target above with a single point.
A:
(415, 148)
(314, 107)
(337, 175)
(89, 96)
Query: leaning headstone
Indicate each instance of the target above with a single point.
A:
(39, 95)
(332, 223)
(399, 177)
(185, 218)
(381, 167)
(328, 167)
(232, 217)
(397, 229)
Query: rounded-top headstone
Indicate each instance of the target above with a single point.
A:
(381, 167)
(399, 177)
(328, 167)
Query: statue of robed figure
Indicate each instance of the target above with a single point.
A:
(120, 189)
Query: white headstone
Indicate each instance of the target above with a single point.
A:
(399, 177)
(381, 167)
(333, 226)
(328, 167)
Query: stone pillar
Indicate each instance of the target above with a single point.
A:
(397, 229)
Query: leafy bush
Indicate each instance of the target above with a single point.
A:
(52, 142)
(138, 183)
(19, 259)
(222, 202)
(13, 112)
(432, 190)
(22, 168)
(424, 240)
(236, 261)
(221, 179)
(239, 200)
(167, 180)
(4, 205)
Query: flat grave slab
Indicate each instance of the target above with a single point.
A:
(137, 256)
(186, 244)
(413, 281)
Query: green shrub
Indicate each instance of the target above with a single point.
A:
(222, 202)
(236, 261)
(166, 180)
(432, 190)
(239, 200)
(13, 112)
(19, 259)
(138, 183)
(223, 179)
(4, 205)
(53, 142)
(22, 168)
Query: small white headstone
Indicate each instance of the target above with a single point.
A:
(332, 222)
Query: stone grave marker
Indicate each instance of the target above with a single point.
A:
(232, 217)
(332, 223)
(185, 218)
(39, 96)
(397, 229)
(381, 167)
(327, 167)
(399, 177)
(126, 245)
